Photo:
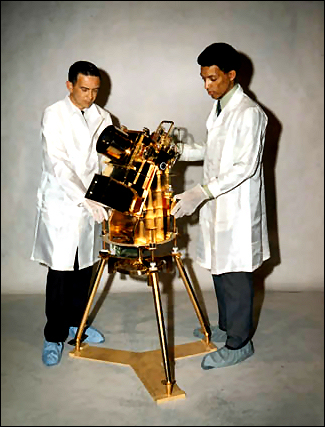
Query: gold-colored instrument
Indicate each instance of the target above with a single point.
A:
(136, 185)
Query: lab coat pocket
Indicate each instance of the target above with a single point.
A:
(53, 216)
(227, 208)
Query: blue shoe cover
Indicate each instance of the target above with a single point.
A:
(226, 357)
(52, 353)
(94, 336)
(217, 335)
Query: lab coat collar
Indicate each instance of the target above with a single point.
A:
(234, 99)
(70, 106)
(92, 114)
(213, 119)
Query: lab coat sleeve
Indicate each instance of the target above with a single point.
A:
(57, 161)
(248, 141)
(192, 152)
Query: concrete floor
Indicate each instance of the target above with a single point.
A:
(281, 385)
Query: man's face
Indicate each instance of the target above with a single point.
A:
(84, 92)
(216, 82)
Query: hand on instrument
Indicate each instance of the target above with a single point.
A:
(98, 212)
(189, 201)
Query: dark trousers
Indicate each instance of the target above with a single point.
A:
(235, 294)
(67, 294)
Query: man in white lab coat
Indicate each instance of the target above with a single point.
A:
(67, 232)
(233, 238)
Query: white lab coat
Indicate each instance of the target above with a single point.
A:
(70, 161)
(233, 229)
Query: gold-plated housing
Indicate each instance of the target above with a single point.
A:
(136, 185)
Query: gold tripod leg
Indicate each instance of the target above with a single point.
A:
(204, 324)
(153, 281)
(147, 365)
(90, 301)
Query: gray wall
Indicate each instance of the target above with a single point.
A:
(149, 50)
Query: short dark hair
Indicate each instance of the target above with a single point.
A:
(83, 67)
(221, 54)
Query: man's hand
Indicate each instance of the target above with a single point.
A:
(98, 212)
(189, 201)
